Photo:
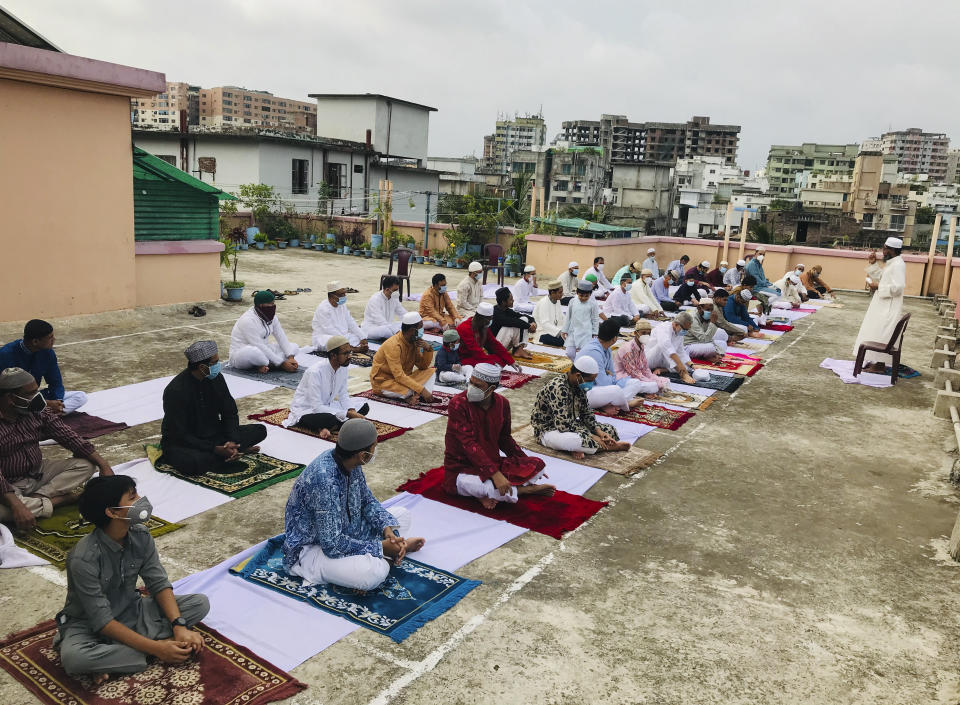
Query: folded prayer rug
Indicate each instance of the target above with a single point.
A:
(223, 673)
(552, 516)
(655, 415)
(276, 417)
(357, 359)
(687, 400)
(290, 380)
(259, 471)
(412, 595)
(53, 537)
(87, 426)
(441, 402)
(731, 362)
(620, 462)
(782, 327)
(722, 383)
(551, 363)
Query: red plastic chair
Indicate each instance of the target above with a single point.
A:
(892, 347)
(493, 254)
(404, 259)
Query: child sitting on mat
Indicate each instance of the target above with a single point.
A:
(449, 369)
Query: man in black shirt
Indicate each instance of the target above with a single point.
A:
(511, 328)
(201, 429)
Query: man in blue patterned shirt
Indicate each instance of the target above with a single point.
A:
(336, 530)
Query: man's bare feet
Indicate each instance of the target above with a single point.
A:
(415, 544)
(610, 409)
(99, 678)
(619, 445)
(325, 434)
(263, 370)
(635, 402)
(522, 353)
(577, 454)
(545, 490)
(488, 502)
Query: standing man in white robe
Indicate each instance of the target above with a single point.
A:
(885, 307)
(651, 263)
(525, 287)
(470, 290)
(381, 317)
(250, 345)
(332, 318)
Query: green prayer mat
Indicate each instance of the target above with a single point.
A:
(261, 471)
(53, 537)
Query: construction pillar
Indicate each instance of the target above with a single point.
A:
(928, 273)
(726, 230)
(743, 232)
(426, 225)
(949, 261)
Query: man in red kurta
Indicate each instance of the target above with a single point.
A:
(478, 428)
(478, 345)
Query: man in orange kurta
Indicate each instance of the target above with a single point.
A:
(392, 373)
(436, 308)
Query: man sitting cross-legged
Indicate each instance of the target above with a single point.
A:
(34, 353)
(106, 626)
(478, 344)
(512, 329)
(31, 486)
(665, 350)
(333, 318)
(610, 394)
(436, 308)
(562, 418)
(392, 373)
(201, 429)
(250, 345)
(450, 368)
(705, 340)
(336, 530)
(321, 402)
(477, 431)
(549, 316)
(381, 317)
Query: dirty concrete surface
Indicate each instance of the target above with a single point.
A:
(790, 546)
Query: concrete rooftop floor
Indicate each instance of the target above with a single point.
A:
(790, 547)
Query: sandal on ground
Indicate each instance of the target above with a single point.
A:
(197, 312)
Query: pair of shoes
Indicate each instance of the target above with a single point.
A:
(351, 290)
(290, 292)
(278, 295)
(303, 291)
(197, 312)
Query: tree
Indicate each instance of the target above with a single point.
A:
(780, 204)
(759, 232)
(475, 219)
(261, 199)
(925, 215)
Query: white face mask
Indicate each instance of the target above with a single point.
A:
(759, 258)
(373, 457)
(600, 267)
(690, 282)
(475, 394)
(643, 339)
(575, 271)
(648, 280)
(388, 294)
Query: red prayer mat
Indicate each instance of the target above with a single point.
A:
(224, 673)
(276, 417)
(731, 362)
(777, 326)
(514, 380)
(442, 400)
(552, 516)
(655, 415)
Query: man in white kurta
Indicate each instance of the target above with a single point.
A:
(332, 318)
(651, 263)
(568, 279)
(642, 295)
(470, 290)
(790, 293)
(321, 402)
(548, 314)
(619, 303)
(381, 317)
(597, 271)
(250, 344)
(525, 287)
(666, 347)
(885, 307)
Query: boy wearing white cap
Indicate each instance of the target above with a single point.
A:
(470, 290)
(332, 318)
(525, 287)
(583, 320)
(568, 279)
(886, 306)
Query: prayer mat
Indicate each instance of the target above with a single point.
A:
(357, 359)
(551, 363)
(552, 516)
(619, 462)
(655, 415)
(276, 417)
(844, 370)
(722, 383)
(88, 426)
(751, 345)
(514, 380)
(224, 673)
(439, 407)
(782, 327)
(261, 471)
(53, 537)
(903, 372)
(688, 400)
(731, 362)
(412, 595)
(278, 378)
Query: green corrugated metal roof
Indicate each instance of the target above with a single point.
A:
(151, 168)
(585, 225)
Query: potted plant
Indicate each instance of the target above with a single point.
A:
(282, 244)
(260, 240)
(271, 244)
(308, 241)
(419, 258)
(462, 262)
(367, 250)
(229, 257)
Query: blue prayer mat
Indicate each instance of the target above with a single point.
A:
(412, 595)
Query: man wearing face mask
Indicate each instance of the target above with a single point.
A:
(609, 394)
(470, 290)
(336, 530)
(332, 318)
(720, 298)
(107, 626)
(651, 263)
(643, 297)
(250, 345)
(665, 350)
(402, 365)
(755, 268)
(201, 429)
(733, 277)
(548, 315)
(436, 307)
(715, 276)
(381, 317)
(479, 344)
(568, 280)
(478, 429)
(630, 362)
(512, 329)
(736, 312)
(687, 292)
(597, 271)
(562, 418)
(660, 288)
(525, 287)
(704, 340)
(619, 305)
(31, 486)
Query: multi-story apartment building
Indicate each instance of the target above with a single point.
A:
(624, 141)
(570, 176)
(953, 166)
(876, 203)
(919, 152)
(789, 166)
(224, 107)
(527, 132)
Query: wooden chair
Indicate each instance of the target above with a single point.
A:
(493, 256)
(892, 347)
(403, 256)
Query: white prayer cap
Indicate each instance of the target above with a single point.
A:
(646, 273)
(475, 267)
(529, 268)
(741, 263)
(16, 377)
(587, 365)
(487, 372)
(701, 375)
(800, 265)
(723, 261)
(336, 341)
(411, 318)
(894, 242)
(572, 265)
(650, 250)
(485, 309)
(794, 278)
(745, 293)
(334, 286)
(705, 263)
(761, 249)
(705, 300)
(555, 284)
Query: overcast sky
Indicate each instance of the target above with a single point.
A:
(815, 71)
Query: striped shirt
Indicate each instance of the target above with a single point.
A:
(20, 455)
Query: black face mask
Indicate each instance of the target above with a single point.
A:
(267, 312)
(34, 405)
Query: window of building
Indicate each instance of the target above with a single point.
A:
(337, 178)
(358, 168)
(868, 220)
(898, 222)
(168, 158)
(301, 176)
(561, 185)
(566, 168)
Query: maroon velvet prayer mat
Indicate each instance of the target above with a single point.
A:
(276, 417)
(440, 407)
(778, 327)
(552, 516)
(87, 426)
(655, 415)
(224, 673)
(515, 380)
